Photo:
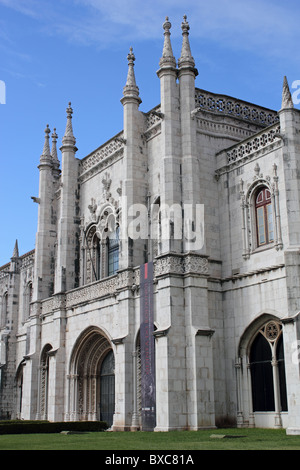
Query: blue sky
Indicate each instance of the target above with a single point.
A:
(53, 52)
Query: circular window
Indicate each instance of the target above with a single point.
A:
(272, 330)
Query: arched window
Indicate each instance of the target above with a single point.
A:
(267, 369)
(264, 217)
(113, 252)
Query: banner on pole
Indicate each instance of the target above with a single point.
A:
(147, 348)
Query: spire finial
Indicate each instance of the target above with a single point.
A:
(54, 150)
(186, 60)
(131, 89)
(168, 59)
(131, 76)
(287, 101)
(68, 136)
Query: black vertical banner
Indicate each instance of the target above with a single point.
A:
(147, 348)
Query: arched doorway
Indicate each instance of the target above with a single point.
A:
(91, 378)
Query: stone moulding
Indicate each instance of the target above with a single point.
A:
(255, 272)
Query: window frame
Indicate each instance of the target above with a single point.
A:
(113, 252)
(263, 207)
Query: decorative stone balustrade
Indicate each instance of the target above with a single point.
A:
(228, 106)
(254, 144)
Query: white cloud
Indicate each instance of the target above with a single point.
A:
(268, 26)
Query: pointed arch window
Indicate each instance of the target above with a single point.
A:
(268, 370)
(113, 252)
(264, 217)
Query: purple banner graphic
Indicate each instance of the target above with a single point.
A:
(147, 348)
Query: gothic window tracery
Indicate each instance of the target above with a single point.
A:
(101, 245)
(267, 369)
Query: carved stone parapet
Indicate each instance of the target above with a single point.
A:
(36, 308)
(181, 265)
(195, 264)
(125, 279)
(47, 306)
(92, 292)
(168, 264)
(59, 301)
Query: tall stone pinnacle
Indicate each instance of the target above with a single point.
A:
(46, 150)
(16, 250)
(186, 60)
(131, 90)
(168, 59)
(287, 101)
(69, 136)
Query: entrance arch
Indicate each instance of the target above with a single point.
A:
(91, 372)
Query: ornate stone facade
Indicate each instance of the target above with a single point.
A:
(225, 277)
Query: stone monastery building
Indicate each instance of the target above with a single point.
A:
(163, 290)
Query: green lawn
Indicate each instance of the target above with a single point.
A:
(252, 439)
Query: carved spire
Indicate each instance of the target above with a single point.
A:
(186, 60)
(46, 150)
(168, 59)
(69, 136)
(287, 101)
(16, 250)
(54, 150)
(131, 89)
